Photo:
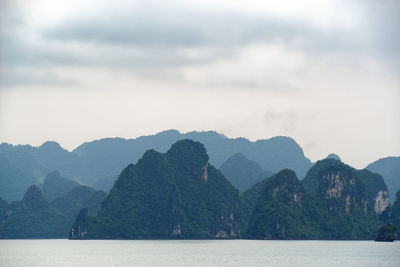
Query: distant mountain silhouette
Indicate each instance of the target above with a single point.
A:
(26, 165)
(35, 217)
(18, 170)
(108, 156)
(54, 185)
(105, 183)
(242, 172)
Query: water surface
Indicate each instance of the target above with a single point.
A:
(108, 253)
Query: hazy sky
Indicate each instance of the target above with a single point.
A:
(323, 72)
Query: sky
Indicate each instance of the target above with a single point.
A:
(324, 72)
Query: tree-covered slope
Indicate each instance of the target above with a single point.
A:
(334, 201)
(389, 168)
(176, 194)
(395, 215)
(277, 213)
(242, 172)
(33, 217)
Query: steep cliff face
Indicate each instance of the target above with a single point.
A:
(389, 168)
(334, 201)
(173, 195)
(277, 211)
(375, 190)
(80, 227)
(339, 186)
(346, 189)
(395, 215)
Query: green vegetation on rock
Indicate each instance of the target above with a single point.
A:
(387, 233)
(395, 215)
(334, 201)
(389, 168)
(35, 217)
(173, 195)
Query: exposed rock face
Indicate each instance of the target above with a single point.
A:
(389, 168)
(221, 234)
(280, 197)
(177, 231)
(382, 201)
(334, 185)
(172, 195)
(395, 215)
(334, 201)
(375, 192)
(349, 188)
(340, 185)
(205, 174)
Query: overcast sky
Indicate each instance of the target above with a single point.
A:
(325, 73)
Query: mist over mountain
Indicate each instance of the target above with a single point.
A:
(273, 154)
(34, 216)
(18, 170)
(54, 185)
(26, 165)
(242, 172)
(105, 183)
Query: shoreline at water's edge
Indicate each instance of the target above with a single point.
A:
(192, 239)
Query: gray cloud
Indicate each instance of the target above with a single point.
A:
(159, 43)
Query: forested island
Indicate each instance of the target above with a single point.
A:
(180, 194)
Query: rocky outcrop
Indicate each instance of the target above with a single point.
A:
(279, 200)
(387, 233)
(382, 201)
(80, 228)
(334, 201)
(177, 194)
(395, 214)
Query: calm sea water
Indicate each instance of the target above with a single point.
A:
(98, 253)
